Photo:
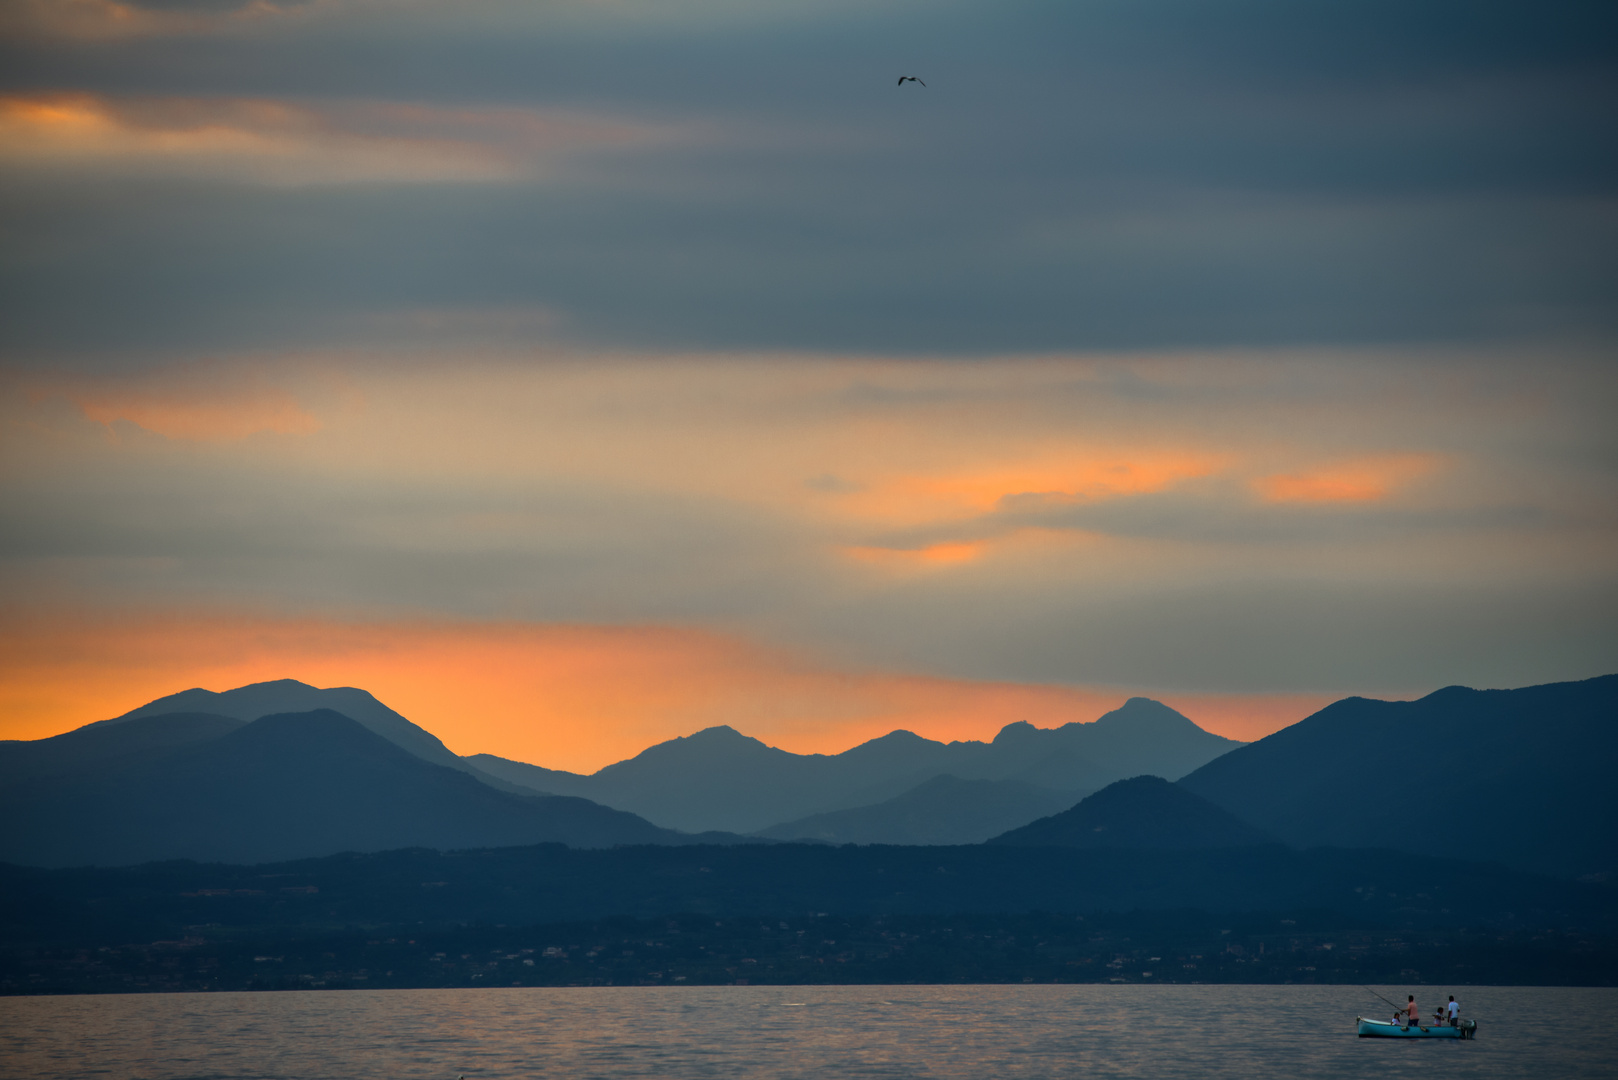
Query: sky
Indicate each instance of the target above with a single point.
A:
(576, 375)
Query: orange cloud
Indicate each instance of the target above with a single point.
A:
(263, 141)
(202, 420)
(911, 500)
(198, 403)
(575, 697)
(1362, 480)
(1098, 473)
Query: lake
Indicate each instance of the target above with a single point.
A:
(772, 1031)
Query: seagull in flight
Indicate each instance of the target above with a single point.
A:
(908, 78)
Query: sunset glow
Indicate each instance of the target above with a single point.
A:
(1059, 476)
(871, 542)
(1354, 481)
(200, 414)
(570, 697)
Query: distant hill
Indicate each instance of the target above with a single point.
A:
(1522, 776)
(250, 702)
(1142, 812)
(721, 779)
(290, 785)
(99, 747)
(717, 780)
(527, 885)
(1141, 736)
(943, 810)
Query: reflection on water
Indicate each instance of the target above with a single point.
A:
(797, 1031)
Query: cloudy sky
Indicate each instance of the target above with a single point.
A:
(574, 375)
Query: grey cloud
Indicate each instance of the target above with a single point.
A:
(1507, 578)
(169, 523)
(206, 269)
(1226, 516)
(1097, 176)
(1120, 175)
(1287, 635)
(210, 7)
(1233, 517)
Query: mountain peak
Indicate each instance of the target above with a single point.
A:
(292, 784)
(1144, 710)
(894, 747)
(897, 736)
(721, 738)
(698, 751)
(278, 684)
(1449, 694)
(248, 703)
(715, 734)
(1530, 769)
(1015, 731)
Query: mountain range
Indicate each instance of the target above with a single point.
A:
(722, 779)
(288, 785)
(1523, 776)
(250, 702)
(282, 769)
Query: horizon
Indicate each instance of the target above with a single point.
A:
(764, 739)
(573, 697)
(679, 736)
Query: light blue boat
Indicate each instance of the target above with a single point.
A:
(1381, 1029)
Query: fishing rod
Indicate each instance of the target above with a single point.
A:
(1374, 994)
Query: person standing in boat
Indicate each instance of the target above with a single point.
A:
(1412, 1014)
(1454, 1012)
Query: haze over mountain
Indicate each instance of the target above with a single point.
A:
(721, 779)
(288, 785)
(1523, 776)
(943, 810)
(898, 789)
(1141, 812)
(289, 695)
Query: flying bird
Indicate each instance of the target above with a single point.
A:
(908, 78)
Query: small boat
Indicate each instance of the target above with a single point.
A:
(1381, 1029)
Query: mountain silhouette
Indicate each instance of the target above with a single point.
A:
(1141, 812)
(1141, 736)
(1523, 776)
(722, 779)
(943, 810)
(250, 702)
(100, 747)
(289, 785)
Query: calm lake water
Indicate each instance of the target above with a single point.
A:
(769, 1031)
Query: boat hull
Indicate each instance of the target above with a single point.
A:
(1381, 1029)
